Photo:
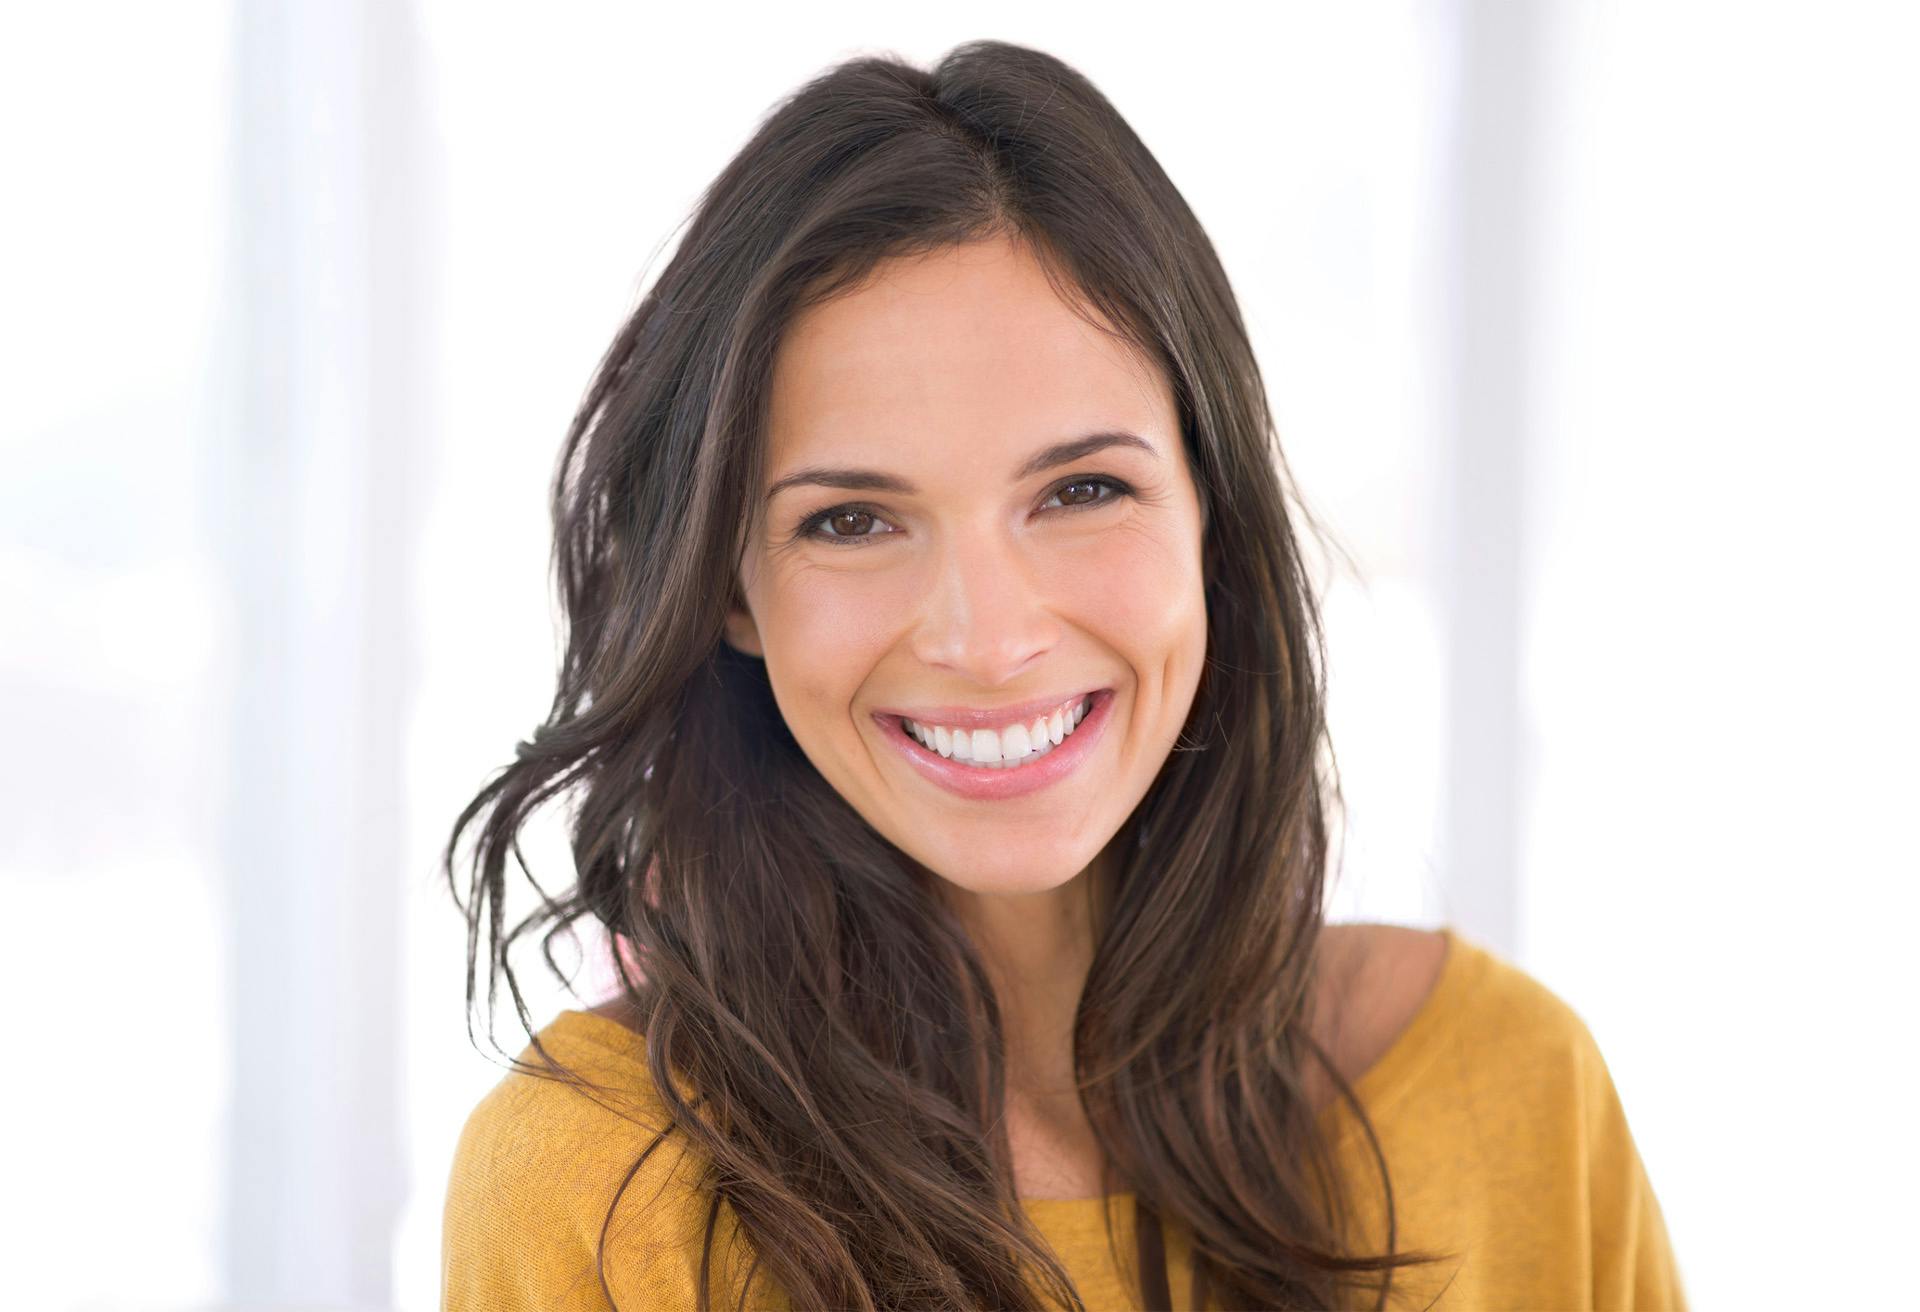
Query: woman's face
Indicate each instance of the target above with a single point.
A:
(926, 553)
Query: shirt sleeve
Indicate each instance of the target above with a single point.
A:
(1633, 1258)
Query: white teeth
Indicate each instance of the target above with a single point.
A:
(986, 746)
(1013, 746)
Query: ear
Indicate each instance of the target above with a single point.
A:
(741, 633)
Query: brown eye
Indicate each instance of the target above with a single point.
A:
(1087, 493)
(842, 525)
(854, 522)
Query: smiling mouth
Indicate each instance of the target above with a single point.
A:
(1008, 748)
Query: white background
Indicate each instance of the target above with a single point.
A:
(1592, 331)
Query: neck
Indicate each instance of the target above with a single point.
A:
(1037, 949)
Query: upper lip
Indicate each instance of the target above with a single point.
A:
(967, 717)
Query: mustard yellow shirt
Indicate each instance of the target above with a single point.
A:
(1504, 1136)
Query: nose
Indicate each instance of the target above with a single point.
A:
(986, 617)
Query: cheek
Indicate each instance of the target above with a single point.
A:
(821, 638)
(1150, 608)
(1146, 594)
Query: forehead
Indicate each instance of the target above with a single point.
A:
(963, 350)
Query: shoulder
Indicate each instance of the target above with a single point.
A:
(1506, 1135)
(1392, 1000)
(1430, 1017)
(578, 1118)
(1495, 1010)
(545, 1166)
(1371, 981)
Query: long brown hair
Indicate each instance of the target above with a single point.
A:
(791, 965)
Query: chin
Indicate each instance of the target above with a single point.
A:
(1021, 877)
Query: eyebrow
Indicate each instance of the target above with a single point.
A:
(874, 480)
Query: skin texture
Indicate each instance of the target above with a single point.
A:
(948, 370)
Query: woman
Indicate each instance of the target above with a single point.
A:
(942, 709)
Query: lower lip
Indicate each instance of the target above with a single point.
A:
(980, 784)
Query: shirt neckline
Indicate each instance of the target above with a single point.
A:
(1387, 1079)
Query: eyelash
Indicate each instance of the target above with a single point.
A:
(810, 528)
